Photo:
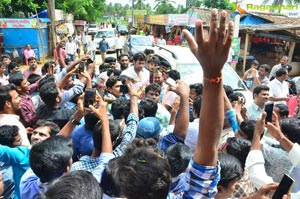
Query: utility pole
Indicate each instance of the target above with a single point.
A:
(51, 15)
(132, 16)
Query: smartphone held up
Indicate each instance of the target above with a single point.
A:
(89, 98)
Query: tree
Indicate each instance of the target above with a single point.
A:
(166, 9)
(163, 2)
(220, 4)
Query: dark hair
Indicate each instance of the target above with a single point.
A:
(266, 67)
(67, 61)
(8, 134)
(235, 96)
(139, 57)
(291, 128)
(90, 121)
(50, 158)
(4, 94)
(260, 88)
(47, 65)
(49, 93)
(197, 105)
(248, 127)
(5, 56)
(231, 169)
(288, 67)
(165, 64)
(179, 156)
(31, 58)
(198, 87)
(111, 81)
(139, 174)
(148, 51)
(228, 90)
(16, 79)
(74, 185)
(283, 110)
(149, 107)
(280, 72)
(54, 128)
(239, 148)
(46, 79)
(153, 87)
(255, 62)
(154, 60)
(174, 74)
(11, 66)
(32, 78)
(123, 55)
(117, 108)
(114, 128)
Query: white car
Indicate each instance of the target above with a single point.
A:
(183, 60)
(92, 29)
(110, 34)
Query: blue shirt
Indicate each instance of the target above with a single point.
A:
(30, 185)
(83, 143)
(86, 163)
(18, 158)
(169, 140)
(103, 45)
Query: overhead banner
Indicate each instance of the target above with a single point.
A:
(181, 19)
(20, 23)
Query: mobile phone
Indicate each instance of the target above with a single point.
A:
(284, 187)
(171, 82)
(124, 89)
(89, 97)
(269, 111)
(89, 61)
(81, 67)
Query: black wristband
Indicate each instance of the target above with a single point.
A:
(73, 121)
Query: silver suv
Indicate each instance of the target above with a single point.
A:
(183, 60)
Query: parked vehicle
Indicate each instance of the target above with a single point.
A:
(92, 29)
(183, 60)
(122, 29)
(137, 43)
(110, 34)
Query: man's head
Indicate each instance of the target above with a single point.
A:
(284, 60)
(195, 90)
(246, 129)
(81, 184)
(90, 121)
(5, 59)
(149, 127)
(51, 158)
(28, 47)
(254, 64)
(32, 62)
(179, 156)
(13, 67)
(70, 38)
(123, 61)
(50, 94)
(21, 83)
(139, 60)
(263, 70)
(113, 85)
(49, 68)
(239, 148)
(117, 108)
(43, 130)
(288, 68)
(281, 110)
(149, 53)
(153, 63)
(103, 37)
(174, 74)
(152, 91)
(261, 94)
(9, 99)
(281, 74)
(290, 127)
(158, 77)
(231, 172)
(148, 106)
(197, 106)
(9, 136)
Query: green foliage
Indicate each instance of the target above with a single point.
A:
(166, 9)
(220, 4)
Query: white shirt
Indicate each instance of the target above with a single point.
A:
(12, 119)
(278, 89)
(92, 45)
(118, 43)
(274, 70)
(84, 39)
(192, 135)
(130, 72)
(161, 42)
(70, 47)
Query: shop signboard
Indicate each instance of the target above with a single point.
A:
(181, 19)
(20, 23)
(157, 19)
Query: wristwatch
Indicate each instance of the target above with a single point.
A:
(73, 121)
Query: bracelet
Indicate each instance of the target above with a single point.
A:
(134, 96)
(215, 80)
(74, 121)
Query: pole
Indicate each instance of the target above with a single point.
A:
(236, 29)
(132, 18)
(51, 15)
(245, 52)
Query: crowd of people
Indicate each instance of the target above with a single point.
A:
(127, 132)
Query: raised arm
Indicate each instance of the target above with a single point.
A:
(212, 55)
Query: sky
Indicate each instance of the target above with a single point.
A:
(124, 2)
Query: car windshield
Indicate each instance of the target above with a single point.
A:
(192, 73)
(93, 26)
(122, 27)
(140, 41)
(108, 34)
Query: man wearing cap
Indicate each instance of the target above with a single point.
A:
(103, 45)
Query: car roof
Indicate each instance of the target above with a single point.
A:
(139, 36)
(106, 29)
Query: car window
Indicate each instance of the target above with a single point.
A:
(141, 41)
(108, 34)
(93, 26)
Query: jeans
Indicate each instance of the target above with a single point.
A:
(8, 181)
(71, 56)
(85, 48)
(93, 55)
(118, 52)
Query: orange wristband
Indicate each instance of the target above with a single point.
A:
(215, 80)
